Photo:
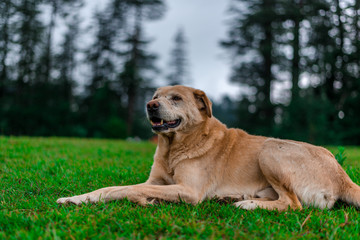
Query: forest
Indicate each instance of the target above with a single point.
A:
(297, 63)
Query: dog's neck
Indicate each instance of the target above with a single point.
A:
(175, 139)
(176, 147)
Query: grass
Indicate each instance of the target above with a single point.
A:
(34, 172)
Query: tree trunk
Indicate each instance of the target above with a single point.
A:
(357, 30)
(130, 113)
(134, 81)
(266, 50)
(295, 70)
(345, 90)
(48, 57)
(5, 32)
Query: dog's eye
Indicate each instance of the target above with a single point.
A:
(155, 97)
(176, 98)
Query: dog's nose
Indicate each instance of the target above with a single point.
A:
(153, 105)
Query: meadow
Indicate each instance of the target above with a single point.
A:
(34, 172)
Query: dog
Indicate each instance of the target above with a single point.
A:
(199, 158)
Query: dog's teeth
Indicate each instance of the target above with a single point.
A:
(162, 122)
(152, 123)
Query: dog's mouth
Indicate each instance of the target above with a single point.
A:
(159, 124)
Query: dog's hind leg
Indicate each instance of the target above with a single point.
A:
(301, 172)
(287, 199)
(277, 171)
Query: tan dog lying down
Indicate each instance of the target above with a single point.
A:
(198, 158)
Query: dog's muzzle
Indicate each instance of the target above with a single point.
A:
(157, 123)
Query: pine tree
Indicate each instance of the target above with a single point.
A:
(29, 30)
(101, 106)
(58, 7)
(65, 63)
(28, 33)
(138, 62)
(179, 74)
(251, 43)
(7, 10)
(349, 116)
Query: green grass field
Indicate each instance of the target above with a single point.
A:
(34, 172)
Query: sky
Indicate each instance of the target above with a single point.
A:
(204, 25)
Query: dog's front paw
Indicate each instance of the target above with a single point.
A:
(77, 200)
(247, 204)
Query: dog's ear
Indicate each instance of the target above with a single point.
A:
(203, 102)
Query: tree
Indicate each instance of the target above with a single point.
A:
(28, 30)
(348, 65)
(102, 102)
(332, 39)
(178, 61)
(133, 77)
(120, 65)
(7, 10)
(58, 7)
(226, 111)
(250, 41)
(138, 62)
(65, 63)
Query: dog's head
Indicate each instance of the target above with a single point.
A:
(177, 108)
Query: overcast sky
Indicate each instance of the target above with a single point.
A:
(203, 23)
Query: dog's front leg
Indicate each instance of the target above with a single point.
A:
(91, 197)
(142, 194)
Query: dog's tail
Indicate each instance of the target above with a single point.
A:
(351, 194)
